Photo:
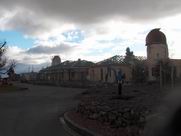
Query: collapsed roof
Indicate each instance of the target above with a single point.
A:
(112, 60)
(117, 59)
(71, 64)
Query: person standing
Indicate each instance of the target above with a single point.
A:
(120, 78)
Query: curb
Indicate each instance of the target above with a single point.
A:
(77, 128)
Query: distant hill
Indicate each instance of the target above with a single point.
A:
(23, 68)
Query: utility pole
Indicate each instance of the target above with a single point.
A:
(172, 76)
(29, 69)
(161, 79)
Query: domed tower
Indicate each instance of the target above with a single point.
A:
(157, 49)
(56, 60)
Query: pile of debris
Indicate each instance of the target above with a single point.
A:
(116, 116)
(131, 109)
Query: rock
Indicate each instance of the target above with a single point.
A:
(126, 115)
(106, 109)
(111, 117)
(142, 119)
(120, 122)
(94, 116)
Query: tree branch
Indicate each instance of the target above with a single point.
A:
(2, 45)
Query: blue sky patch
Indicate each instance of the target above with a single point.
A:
(14, 38)
(74, 36)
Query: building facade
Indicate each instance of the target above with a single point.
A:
(56, 60)
(108, 73)
(68, 72)
(82, 71)
(157, 52)
(105, 71)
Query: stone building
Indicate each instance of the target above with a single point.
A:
(157, 51)
(106, 71)
(68, 72)
(56, 60)
(177, 64)
(81, 71)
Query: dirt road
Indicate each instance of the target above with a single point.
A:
(35, 112)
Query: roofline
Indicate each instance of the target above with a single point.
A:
(106, 65)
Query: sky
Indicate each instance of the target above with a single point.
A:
(36, 30)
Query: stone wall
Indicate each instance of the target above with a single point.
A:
(109, 72)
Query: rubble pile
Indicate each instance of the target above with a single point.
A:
(115, 114)
(127, 111)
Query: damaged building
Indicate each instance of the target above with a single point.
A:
(82, 72)
(65, 73)
(106, 71)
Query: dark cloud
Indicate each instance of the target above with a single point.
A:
(27, 23)
(35, 16)
(59, 49)
(91, 10)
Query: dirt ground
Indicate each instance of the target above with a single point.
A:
(36, 110)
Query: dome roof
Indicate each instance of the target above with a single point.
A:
(56, 60)
(56, 57)
(155, 36)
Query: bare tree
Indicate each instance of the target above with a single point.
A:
(2, 59)
(11, 71)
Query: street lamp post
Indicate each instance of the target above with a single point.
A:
(161, 80)
(172, 75)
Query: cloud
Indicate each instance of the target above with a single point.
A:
(20, 56)
(90, 11)
(38, 16)
(39, 54)
(88, 29)
(62, 48)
